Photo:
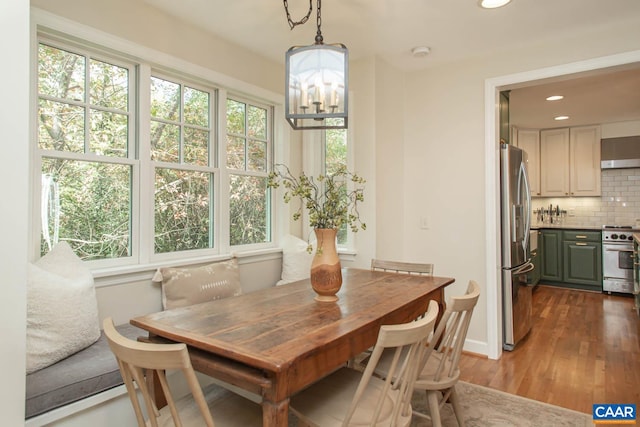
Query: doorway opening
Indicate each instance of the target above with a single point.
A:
(493, 87)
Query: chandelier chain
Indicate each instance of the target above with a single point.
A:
(292, 23)
(319, 22)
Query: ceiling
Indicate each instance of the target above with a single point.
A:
(452, 29)
(606, 97)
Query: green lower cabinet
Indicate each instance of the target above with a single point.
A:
(571, 258)
(550, 245)
(582, 263)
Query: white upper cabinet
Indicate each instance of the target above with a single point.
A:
(570, 162)
(554, 162)
(585, 161)
(529, 141)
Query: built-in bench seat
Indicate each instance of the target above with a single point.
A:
(83, 374)
(86, 388)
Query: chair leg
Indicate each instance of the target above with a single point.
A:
(434, 407)
(457, 409)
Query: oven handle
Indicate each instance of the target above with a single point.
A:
(618, 250)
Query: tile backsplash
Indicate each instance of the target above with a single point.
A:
(619, 203)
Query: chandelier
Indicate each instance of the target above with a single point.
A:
(316, 91)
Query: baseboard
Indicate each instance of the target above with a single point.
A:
(476, 347)
(75, 407)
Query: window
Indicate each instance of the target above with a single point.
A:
(248, 159)
(130, 161)
(84, 137)
(181, 153)
(335, 154)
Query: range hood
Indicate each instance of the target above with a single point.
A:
(620, 153)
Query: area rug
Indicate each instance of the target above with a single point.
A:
(486, 407)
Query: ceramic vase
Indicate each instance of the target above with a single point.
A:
(326, 274)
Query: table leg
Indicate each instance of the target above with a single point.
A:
(153, 382)
(155, 389)
(275, 414)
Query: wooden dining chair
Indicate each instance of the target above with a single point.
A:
(137, 359)
(439, 367)
(402, 267)
(415, 268)
(349, 397)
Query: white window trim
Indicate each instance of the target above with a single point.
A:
(271, 143)
(130, 160)
(313, 164)
(49, 23)
(213, 169)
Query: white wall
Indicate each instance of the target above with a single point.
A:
(389, 150)
(140, 23)
(444, 170)
(445, 153)
(362, 84)
(14, 122)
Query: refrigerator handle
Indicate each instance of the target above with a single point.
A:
(527, 190)
(529, 266)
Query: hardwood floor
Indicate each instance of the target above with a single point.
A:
(584, 348)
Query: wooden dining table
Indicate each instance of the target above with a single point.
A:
(277, 341)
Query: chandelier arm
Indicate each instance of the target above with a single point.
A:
(292, 23)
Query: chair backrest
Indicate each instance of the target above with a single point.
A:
(402, 267)
(137, 359)
(409, 343)
(449, 337)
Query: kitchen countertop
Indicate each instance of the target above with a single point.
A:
(538, 226)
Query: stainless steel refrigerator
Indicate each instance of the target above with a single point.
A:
(515, 199)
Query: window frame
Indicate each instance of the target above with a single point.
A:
(131, 159)
(212, 168)
(62, 33)
(314, 164)
(270, 160)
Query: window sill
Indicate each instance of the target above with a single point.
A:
(120, 275)
(347, 254)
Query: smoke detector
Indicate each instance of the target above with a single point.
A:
(420, 51)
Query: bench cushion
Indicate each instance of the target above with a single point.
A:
(83, 374)
(62, 311)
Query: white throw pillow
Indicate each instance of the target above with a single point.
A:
(296, 261)
(62, 311)
(182, 287)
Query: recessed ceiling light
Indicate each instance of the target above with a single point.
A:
(492, 4)
(555, 98)
(561, 118)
